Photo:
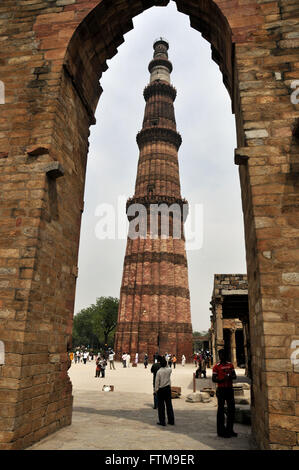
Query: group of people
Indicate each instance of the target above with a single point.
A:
(81, 355)
(171, 359)
(126, 359)
(101, 365)
(223, 375)
(84, 355)
(203, 355)
(101, 362)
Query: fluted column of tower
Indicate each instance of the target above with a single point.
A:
(154, 311)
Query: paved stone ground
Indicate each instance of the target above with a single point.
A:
(125, 420)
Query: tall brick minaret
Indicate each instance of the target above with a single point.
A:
(154, 311)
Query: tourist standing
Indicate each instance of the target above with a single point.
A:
(128, 358)
(111, 359)
(85, 356)
(203, 367)
(103, 365)
(163, 390)
(170, 361)
(145, 362)
(136, 358)
(224, 374)
(77, 356)
(154, 369)
(174, 359)
(98, 367)
(208, 358)
(183, 360)
(124, 359)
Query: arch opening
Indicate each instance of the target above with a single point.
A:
(99, 35)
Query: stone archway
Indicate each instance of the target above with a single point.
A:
(51, 60)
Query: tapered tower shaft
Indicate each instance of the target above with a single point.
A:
(154, 311)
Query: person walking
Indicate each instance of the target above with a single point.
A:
(163, 390)
(154, 369)
(224, 374)
(111, 359)
(85, 356)
(183, 360)
(174, 359)
(145, 362)
(170, 361)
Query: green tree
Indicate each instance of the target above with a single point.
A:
(83, 329)
(95, 325)
(105, 318)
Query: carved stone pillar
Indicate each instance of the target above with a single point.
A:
(233, 347)
(213, 345)
(219, 327)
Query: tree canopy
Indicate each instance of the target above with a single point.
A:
(94, 326)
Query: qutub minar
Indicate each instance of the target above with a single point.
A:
(154, 309)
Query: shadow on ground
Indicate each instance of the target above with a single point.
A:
(197, 424)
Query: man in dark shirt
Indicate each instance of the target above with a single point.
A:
(154, 369)
(224, 374)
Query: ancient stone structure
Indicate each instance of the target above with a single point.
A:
(230, 319)
(52, 56)
(201, 342)
(154, 309)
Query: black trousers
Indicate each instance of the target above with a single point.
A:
(164, 399)
(155, 400)
(225, 395)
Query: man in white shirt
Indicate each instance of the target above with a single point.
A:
(77, 359)
(124, 359)
(128, 358)
(85, 356)
(111, 359)
(163, 391)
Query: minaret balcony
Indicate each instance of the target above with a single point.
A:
(159, 88)
(156, 134)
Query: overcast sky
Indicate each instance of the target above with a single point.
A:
(208, 175)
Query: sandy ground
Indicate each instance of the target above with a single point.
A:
(125, 419)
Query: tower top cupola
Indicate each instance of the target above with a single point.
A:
(160, 67)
